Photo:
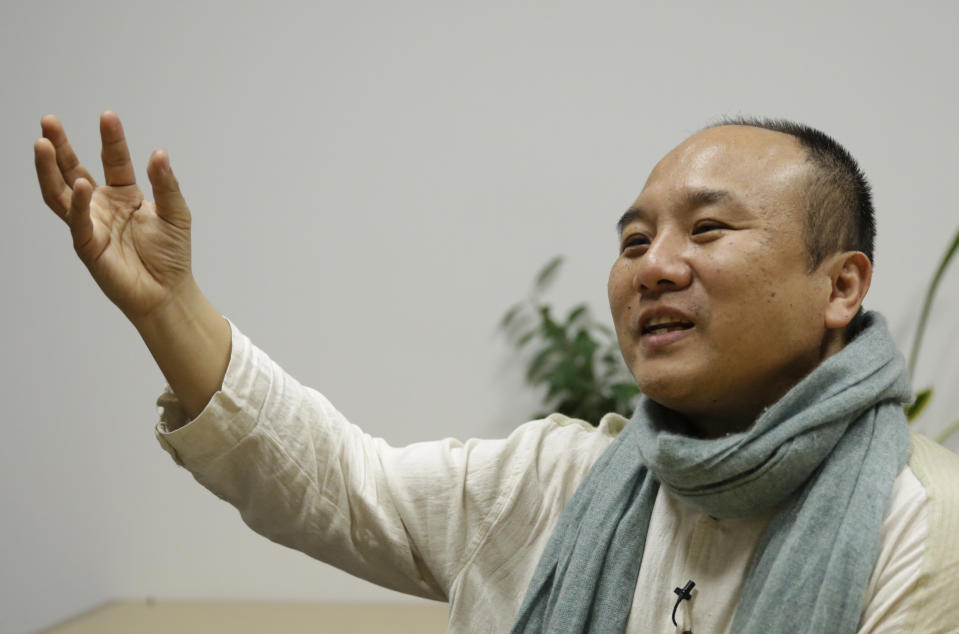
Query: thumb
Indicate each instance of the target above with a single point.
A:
(170, 204)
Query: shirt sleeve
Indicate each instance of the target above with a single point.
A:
(300, 474)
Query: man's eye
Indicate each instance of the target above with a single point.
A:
(635, 241)
(704, 227)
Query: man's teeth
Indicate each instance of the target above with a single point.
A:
(666, 328)
(659, 325)
(659, 321)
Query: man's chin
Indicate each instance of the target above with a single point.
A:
(675, 390)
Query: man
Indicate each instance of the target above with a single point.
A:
(766, 482)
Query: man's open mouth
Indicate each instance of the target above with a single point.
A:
(661, 325)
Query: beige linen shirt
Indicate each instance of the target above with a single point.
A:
(466, 522)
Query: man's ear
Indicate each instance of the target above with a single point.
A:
(851, 274)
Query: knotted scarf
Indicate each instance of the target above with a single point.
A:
(826, 454)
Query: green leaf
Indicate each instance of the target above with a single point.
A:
(576, 313)
(510, 315)
(525, 338)
(915, 408)
(550, 328)
(584, 386)
(583, 409)
(624, 391)
(536, 365)
(553, 391)
(547, 274)
(563, 374)
(522, 323)
(584, 345)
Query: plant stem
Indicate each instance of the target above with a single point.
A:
(944, 434)
(927, 305)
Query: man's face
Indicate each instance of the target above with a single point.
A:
(716, 311)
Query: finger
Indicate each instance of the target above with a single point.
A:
(81, 225)
(117, 167)
(166, 190)
(52, 186)
(67, 160)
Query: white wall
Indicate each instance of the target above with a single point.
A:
(373, 183)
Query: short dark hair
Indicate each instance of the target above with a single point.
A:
(840, 216)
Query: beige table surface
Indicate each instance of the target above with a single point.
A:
(196, 617)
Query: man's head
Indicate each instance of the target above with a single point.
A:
(724, 295)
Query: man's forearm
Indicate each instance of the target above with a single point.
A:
(190, 341)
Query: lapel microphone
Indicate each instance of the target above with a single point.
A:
(683, 593)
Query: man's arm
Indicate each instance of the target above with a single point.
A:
(190, 342)
(138, 252)
(407, 518)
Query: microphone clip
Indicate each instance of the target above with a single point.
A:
(684, 593)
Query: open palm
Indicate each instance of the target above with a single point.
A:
(137, 251)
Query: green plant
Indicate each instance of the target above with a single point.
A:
(914, 409)
(576, 359)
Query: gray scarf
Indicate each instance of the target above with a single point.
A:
(826, 454)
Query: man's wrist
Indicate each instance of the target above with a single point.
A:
(191, 343)
(184, 303)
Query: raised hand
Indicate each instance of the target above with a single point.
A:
(139, 254)
(136, 250)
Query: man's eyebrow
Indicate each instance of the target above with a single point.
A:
(632, 215)
(692, 199)
(703, 197)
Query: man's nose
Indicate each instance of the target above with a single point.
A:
(664, 266)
